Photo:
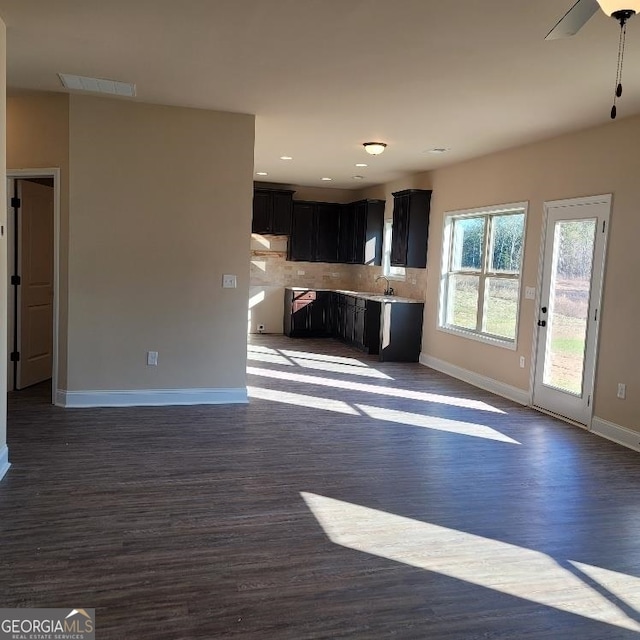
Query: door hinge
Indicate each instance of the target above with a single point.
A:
(604, 225)
(588, 401)
(15, 356)
(595, 316)
(15, 202)
(15, 279)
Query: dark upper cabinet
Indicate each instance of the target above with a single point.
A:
(410, 228)
(327, 232)
(314, 231)
(360, 237)
(302, 240)
(347, 234)
(272, 210)
(369, 225)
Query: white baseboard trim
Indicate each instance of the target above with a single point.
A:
(4, 460)
(616, 433)
(488, 384)
(150, 397)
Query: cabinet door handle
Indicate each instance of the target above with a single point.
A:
(542, 323)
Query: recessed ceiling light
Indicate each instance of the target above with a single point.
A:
(97, 85)
(327, 179)
(261, 173)
(358, 177)
(437, 150)
(361, 164)
(286, 158)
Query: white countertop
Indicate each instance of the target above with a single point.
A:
(366, 295)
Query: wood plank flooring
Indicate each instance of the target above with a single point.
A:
(349, 499)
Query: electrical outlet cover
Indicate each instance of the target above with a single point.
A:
(229, 281)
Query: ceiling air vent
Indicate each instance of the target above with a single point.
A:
(97, 85)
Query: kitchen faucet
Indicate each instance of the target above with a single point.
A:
(389, 290)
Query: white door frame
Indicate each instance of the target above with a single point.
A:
(600, 199)
(18, 174)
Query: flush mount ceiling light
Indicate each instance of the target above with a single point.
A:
(361, 164)
(438, 150)
(261, 173)
(326, 179)
(97, 85)
(286, 158)
(579, 14)
(374, 148)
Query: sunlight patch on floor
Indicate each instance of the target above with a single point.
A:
(273, 358)
(492, 564)
(433, 422)
(336, 367)
(309, 355)
(403, 418)
(302, 400)
(260, 349)
(395, 392)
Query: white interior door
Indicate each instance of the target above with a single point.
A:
(572, 269)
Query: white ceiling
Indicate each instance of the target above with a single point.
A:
(324, 76)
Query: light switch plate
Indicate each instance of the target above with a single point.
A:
(229, 281)
(530, 293)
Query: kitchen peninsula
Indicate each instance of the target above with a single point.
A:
(387, 326)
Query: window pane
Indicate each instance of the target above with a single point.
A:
(462, 303)
(569, 304)
(506, 245)
(468, 240)
(501, 307)
(387, 269)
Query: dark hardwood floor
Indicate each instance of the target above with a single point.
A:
(349, 499)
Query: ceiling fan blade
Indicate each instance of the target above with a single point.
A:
(574, 19)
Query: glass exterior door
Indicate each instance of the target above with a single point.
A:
(569, 307)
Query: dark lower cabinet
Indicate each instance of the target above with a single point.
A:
(306, 313)
(357, 321)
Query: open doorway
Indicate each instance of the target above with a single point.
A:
(32, 238)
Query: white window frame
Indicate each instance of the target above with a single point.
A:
(489, 213)
(392, 273)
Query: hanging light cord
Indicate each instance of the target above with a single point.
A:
(618, 88)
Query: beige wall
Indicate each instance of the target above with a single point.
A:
(38, 137)
(597, 161)
(160, 209)
(3, 243)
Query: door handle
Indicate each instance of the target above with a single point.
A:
(544, 309)
(542, 323)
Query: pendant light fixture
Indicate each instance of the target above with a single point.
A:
(621, 10)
